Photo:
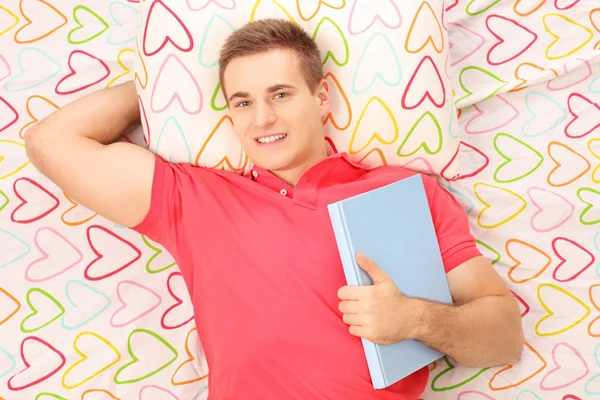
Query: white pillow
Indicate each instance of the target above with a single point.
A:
(386, 63)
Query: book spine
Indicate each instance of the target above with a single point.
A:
(347, 255)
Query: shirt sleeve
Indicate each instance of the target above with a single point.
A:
(456, 242)
(162, 223)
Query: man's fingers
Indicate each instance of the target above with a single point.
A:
(351, 319)
(357, 330)
(349, 306)
(353, 292)
(370, 267)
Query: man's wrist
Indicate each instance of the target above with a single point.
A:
(423, 317)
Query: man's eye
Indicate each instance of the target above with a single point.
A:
(281, 95)
(242, 104)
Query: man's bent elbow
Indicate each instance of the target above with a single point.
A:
(519, 343)
(514, 347)
(33, 147)
(507, 353)
(512, 338)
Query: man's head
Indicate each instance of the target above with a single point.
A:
(272, 78)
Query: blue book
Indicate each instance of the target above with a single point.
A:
(392, 225)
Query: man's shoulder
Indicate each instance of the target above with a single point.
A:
(390, 173)
(394, 173)
(191, 180)
(198, 173)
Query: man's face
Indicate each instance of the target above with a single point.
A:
(276, 117)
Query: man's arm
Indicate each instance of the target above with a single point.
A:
(77, 148)
(483, 327)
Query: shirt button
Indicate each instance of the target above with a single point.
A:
(255, 174)
(283, 192)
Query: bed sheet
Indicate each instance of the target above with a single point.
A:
(88, 309)
(531, 188)
(526, 76)
(503, 45)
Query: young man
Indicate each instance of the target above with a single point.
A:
(258, 253)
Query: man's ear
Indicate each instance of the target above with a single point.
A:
(324, 98)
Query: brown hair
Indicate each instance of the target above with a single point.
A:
(268, 34)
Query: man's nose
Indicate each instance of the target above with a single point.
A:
(265, 116)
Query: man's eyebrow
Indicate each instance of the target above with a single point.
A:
(238, 94)
(279, 86)
(270, 89)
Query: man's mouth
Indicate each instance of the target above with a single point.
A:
(271, 139)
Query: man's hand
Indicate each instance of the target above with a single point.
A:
(379, 313)
(482, 328)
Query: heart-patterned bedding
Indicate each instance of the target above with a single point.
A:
(90, 310)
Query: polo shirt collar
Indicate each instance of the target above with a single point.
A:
(335, 169)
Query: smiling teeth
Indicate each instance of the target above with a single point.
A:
(270, 139)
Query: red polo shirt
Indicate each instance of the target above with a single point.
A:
(262, 267)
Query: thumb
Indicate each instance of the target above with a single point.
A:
(370, 267)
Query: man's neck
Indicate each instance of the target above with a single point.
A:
(292, 176)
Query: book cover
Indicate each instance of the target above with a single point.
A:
(392, 225)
